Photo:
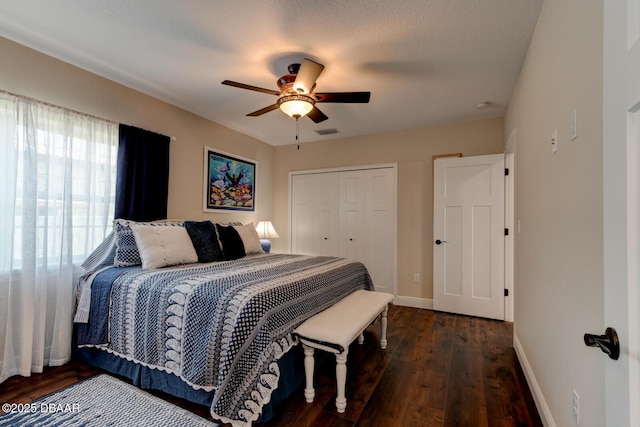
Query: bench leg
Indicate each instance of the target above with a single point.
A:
(383, 328)
(309, 392)
(341, 380)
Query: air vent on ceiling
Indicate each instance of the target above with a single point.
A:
(326, 131)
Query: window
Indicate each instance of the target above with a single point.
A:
(59, 190)
(57, 197)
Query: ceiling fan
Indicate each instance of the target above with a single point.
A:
(296, 96)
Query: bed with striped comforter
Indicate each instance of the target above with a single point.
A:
(220, 326)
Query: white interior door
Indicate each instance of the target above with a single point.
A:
(468, 232)
(314, 214)
(302, 214)
(325, 195)
(352, 211)
(621, 143)
(380, 224)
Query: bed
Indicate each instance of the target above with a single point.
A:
(217, 333)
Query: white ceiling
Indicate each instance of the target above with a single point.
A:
(425, 62)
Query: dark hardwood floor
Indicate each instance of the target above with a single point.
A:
(439, 369)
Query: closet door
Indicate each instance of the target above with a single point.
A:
(351, 214)
(380, 227)
(325, 215)
(352, 209)
(314, 214)
(302, 214)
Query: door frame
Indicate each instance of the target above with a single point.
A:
(503, 237)
(510, 224)
(621, 235)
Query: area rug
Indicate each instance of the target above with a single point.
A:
(100, 401)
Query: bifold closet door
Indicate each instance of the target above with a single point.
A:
(314, 214)
(352, 206)
(350, 214)
(380, 227)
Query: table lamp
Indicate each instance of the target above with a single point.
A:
(265, 232)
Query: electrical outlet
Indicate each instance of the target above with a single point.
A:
(416, 277)
(575, 407)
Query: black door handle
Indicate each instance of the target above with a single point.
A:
(608, 342)
(440, 241)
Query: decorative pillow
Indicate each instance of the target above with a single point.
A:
(204, 237)
(163, 246)
(250, 238)
(126, 249)
(127, 253)
(231, 242)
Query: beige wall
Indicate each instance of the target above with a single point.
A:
(26, 72)
(559, 249)
(412, 150)
(33, 74)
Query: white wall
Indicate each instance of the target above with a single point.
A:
(559, 206)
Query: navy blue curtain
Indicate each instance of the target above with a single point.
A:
(142, 182)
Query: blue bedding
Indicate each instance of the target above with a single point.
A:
(219, 327)
(95, 331)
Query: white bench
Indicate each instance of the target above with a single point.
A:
(335, 328)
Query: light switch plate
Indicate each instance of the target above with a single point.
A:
(573, 126)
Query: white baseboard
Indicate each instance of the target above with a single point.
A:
(414, 302)
(541, 403)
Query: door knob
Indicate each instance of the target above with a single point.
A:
(608, 342)
(440, 241)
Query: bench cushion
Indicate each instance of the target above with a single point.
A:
(337, 326)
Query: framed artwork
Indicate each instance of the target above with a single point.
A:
(230, 182)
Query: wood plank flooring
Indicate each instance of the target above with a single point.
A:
(439, 369)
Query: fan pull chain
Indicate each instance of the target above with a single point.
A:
(298, 131)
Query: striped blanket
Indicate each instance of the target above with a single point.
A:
(223, 326)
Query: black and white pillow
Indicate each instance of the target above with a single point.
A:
(204, 237)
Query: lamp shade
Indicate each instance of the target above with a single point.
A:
(296, 105)
(266, 231)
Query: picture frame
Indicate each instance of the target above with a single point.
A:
(229, 182)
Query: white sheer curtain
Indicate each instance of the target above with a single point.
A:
(57, 171)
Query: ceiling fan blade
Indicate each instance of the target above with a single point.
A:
(249, 87)
(345, 97)
(316, 115)
(307, 76)
(264, 110)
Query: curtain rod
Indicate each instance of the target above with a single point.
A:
(91, 116)
(28, 98)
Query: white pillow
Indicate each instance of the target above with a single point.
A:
(250, 238)
(163, 246)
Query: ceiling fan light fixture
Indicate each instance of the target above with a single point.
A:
(296, 105)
